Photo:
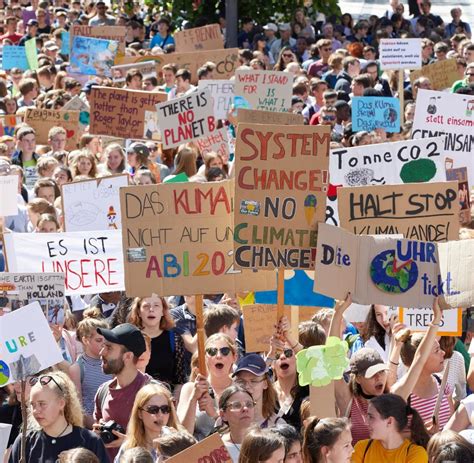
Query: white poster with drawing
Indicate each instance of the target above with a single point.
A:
(93, 204)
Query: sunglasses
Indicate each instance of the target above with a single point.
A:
(212, 351)
(329, 118)
(44, 380)
(287, 55)
(288, 353)
(327, 49)
(155, 409)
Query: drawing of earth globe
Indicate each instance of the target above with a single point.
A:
(389, 281)
(4, 373)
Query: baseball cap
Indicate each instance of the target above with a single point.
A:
(32, 22)
(51, 45)
(284, 27)
(88, 86)
(140, 148)
(252, 363)
(271, 27)
(367, 362)
(127, 335)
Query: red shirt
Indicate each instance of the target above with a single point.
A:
(15, 38)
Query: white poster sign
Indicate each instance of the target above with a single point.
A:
(420, 319)
(8, 194)
(400, 54)
(222, 94)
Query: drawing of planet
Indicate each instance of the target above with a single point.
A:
(417, 171)
(310, 203)
(388, 280)
(4, 373)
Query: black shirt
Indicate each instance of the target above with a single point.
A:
(293, 416)
(39, 446)
(161, 365)
(11, 414)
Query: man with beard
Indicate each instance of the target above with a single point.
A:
(114, 399)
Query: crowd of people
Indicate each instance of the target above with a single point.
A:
(129, 388)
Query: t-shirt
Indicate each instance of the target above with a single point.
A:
(30, 172)
(40, 447)
(408, 452)
(161, 364)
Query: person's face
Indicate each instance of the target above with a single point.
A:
(151, 312)
(425, 8)
(114, 159)
(341, 451)
(84, 166)
(60, 177)
(427, 51)
(456, 14)
(45, 404)
(58, 142)
(372, 71)
(328, 31)
(135, 83)
(357, 89)
(381, 315)
(28, 143)
(112, 358)
(328, 118)
(94, 343)
(278, 456)
(94, 146)
(239, 411)
(216, 162)
(252, 383)
(154, 422)
(294, 453)
(470, 75)
(233, 330)
(297, 108)
(363, 31)
(325, 52)
(285, 364)
(10, 106)
(162, 28)
(288, 56)
(468, 55)
(47, 227)
(377, 425)
(374, 385)
(220, 364)
(330, 101)
(168, 77)
(46, 192)
(32, 30)
(132, 159)
(440, 55)
(354, 69)
(435, 362)
(182, 84)
(101, 9)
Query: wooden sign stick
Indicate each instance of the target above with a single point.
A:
(280, 293)
(441, 394)
(200, 335)
(401, 79)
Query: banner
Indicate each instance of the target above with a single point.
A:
(177, 239)
(27, 344)
(265, 90)
(9, 193)
(124, 113)
(14, 56)
(442, 74)
(428, 212)
(217, 142)
(199, 38)
(281, 183)
(222, 95)
(400, 54)
(420, 319)
(147, 68)
(92, 57)
(393, 163)
(185, 119)
(253, 116)
(449, 114)
(8, 123)
(92, 261)
(93, 204)
(392, 271)
(43, 119)
(370, 113)
(210, 449)
(116, 33)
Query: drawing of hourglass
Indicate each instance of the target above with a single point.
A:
(470, 108)
(432, 106)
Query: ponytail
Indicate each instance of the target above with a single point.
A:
(419, 434)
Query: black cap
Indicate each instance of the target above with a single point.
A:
(32, 22)
(127, 335)
(252, 363)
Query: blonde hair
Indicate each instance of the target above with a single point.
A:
(92, 319)
(75, 161)
(135, 428)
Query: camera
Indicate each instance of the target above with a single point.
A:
(106, 433)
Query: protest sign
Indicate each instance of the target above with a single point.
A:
(452, 115)
(442, 74)
(124, 113)
(356, 313)
(65, 42)
(8, 193)
(420, 319)
(47, 288)
(393, 163)
(177, 238)
(460, 175)
(93, 57)
(76, 103)
(8, 123)
(43, 119)
(93, 204)
(5, 430)
(185, 119)
(211, 449)
(147, 68)
(264, 90)
(14, 57)
(281, 185)
(253, 116)
(370, 113)
(117, 33)
(322, 401)
(222, 95)
(91, 260)
(393, 271)
(400, 54)
(199, 38)
(31, 53)
(428, 212)
(27, 344)
(216, 142)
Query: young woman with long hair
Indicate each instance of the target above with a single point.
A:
(262, 446)
(114, 160)
(185, 163)
(285, 57)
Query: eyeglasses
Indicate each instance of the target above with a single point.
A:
(238, 406)
(212, 351)
(329, 118)
(155, 409)
(44, 380)
(252, 383)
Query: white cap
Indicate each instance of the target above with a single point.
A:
(271, 27)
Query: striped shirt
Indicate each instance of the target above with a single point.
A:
(358, 417)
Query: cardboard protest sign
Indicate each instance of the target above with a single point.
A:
(93, 204)
(420, 319)
(253, 116)
(442, 74)
(14, 57)
(8, 193)
(449, 114)
(47, 288)
(76, 103)
(428, 212)
(392, 271)
(116, 33)
(43, 119)
(210, 449)
(281, 184)
(222, 95)
(322, 401)
(199, 38)
(177, 239)
(91, 260)
(185, 119)
(263, 90)
(27, 344)
(370, 113)
(460, 175)
(216, 142)
(147, 68)
(400, 54)
(93, 57)
(124, 113)
(8, 123)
